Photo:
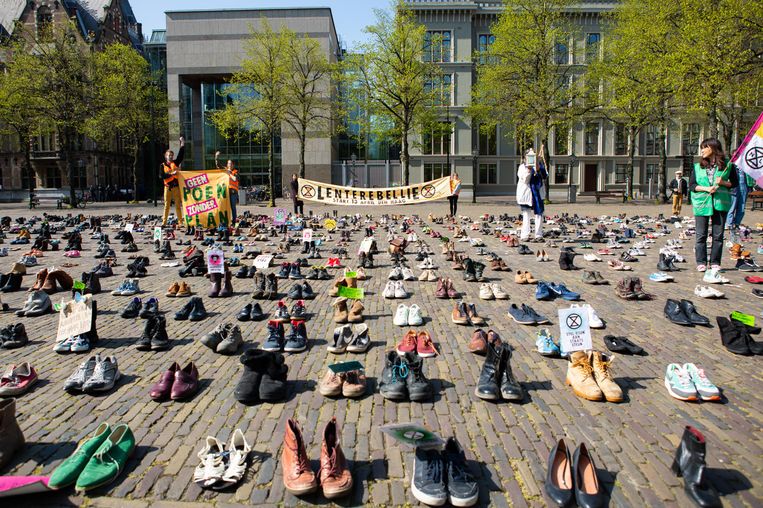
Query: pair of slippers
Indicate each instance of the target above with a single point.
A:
(622, 345)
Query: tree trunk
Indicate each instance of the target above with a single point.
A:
(271, 172)
(135, 172)
(25, 142)
(629, 167)
(302, 143)
(712, 118)
(662, 195)
(68, 153)
(547, 156)
(404, 160)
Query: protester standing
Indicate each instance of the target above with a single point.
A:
(739, 199)
(299, 205)
(455, 189)
(530, 199)
(680, 190)
(232, 184)
(710, 182)
(170, 167)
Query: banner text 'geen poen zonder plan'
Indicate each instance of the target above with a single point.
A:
(337, 195)
(206, 201)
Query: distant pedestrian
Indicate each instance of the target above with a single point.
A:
(299, 205)
(680, 190)
(455, 189)
(530, 198)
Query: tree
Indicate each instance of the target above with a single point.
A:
(307, 87)
(257, 98)
(525, 78)
(124, 94)
(55, 71)
(394, 78)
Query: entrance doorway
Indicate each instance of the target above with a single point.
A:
(589, 177)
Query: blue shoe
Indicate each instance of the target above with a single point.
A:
(545, 343)
(561, 290)
(542, 291)
(64, 346)
(81, 344)
(520, 315)
(706, 389)
(679, 384)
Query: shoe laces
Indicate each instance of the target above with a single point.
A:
(702, 378)
(604, 368)
(683, 377)
(400, 370)
(585, 367)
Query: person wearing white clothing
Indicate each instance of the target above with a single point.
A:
(529, 186)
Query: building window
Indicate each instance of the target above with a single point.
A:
(560, 173)
(651, 172)
(485, 42)
(441, 86)
(620, 172)
(592, 138)
(488, 174)
(561, 140)
(435, 170)
(437, 141)
(25, 179)
(621, 140)
(690, 138)
(79, 176)
(562, 53)
(44, 19)
(487, 142)
(592, 47)
(53, 178)
(650, 140)
(437, 46)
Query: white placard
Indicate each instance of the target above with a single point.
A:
(307, 235)
(157, 233)
(129, 227)
(263, 261)
(75, 318)
(575, 331)
(215, 261)
(366, 244)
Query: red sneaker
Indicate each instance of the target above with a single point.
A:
(424, 345)
(754, 279)
(408, 344)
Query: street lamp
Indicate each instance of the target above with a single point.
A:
(475, 154)
(570, 193)
(352, 180)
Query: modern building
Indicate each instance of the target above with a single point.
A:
(155, 50)
(100, 22)
(204, 48)
(592, 152)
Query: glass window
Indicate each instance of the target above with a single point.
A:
(690, 138)
(435, 170)
(25, 179)
(79, 175)
(561, 140)
(621, 141)
(487, 142)
(562, 53)
(620, 173)
(485, 42)
(592, 45)
(53, 178)
(488, 174)
(437, 142)
(437, 46)
(560, 173)
(441, 86)
(592, 138)
(650, 140)
(651, 172)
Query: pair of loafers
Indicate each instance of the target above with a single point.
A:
(573, 479)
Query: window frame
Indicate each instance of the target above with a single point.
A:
(568, 132)
(618, 167)
(620, 140)
(558, 171)
(429, 51)
(442, 167)
(428, 140)
(487, 166)
(598, 138)
(592, 47)
(488, 138)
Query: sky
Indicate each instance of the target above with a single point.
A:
(350, 16)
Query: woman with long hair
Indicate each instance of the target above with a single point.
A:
(710, 185)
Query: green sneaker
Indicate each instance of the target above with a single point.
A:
(108, 461)
(68, 471)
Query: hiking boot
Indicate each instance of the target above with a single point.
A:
(355, 313)
(393, 379)
(603, 376)
(478, 342)
(160, 341)
(271, 287)
(335, 478)
(216, 336)
(298, 478)
(144, 342)
(419, 387)
(580, 376)
(341, 312)
(259, 285)
(624, 289)
(510, 388)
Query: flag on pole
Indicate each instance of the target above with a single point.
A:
(749, 156)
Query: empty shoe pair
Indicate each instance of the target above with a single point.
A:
(350, 338)
(220, 468)
(225, 339)
(573, 478)
(263, 379)
(176, 383)
(94, 375)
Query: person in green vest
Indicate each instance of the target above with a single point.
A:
(710, 185)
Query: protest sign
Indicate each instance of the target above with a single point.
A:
(263, 261)
(575, 330)
(75, 318)
(215, 261)
(206, 201)
(337, 195)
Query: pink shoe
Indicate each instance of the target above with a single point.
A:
(424, 345)
(701, 268)
(72, 254)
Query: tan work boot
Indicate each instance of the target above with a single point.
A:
(173, 290)
(580, 377)
(298, 478)
(183, 290)
(355, 314)
(340, 310)
(335, 476)
(601, 373)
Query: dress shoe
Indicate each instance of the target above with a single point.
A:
(588, 490)
(162, 389)
(675, 313)
(558, 485)
(186, 382)
(257, 314)
(691, 312)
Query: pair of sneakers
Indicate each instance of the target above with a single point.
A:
(690, 383)
(713, 276)
(218, 467)
(395, 289)
(546, 345)
(351, 338)
(443, 476)
(277, 339)
(490, 291)
(401, 273)
(128, 287)
(75, 344)
(408, 316)
(96, 374)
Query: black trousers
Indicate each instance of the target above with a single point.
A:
(700, 248)
(299, 207)
(453, 201)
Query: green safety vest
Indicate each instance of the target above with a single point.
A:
(704, 203)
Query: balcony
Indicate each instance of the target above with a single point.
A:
(50, 155)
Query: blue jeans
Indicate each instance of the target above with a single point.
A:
(233, 203)
(738, 202)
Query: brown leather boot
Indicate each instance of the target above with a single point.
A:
(351, 282)
(11, 437)
(64, 279)
(340, 310)
(603, 376)
(478, 342)
(355, 314)
(41, 276)
(580, 377)
(298, 478)
(335, 476)
(49, 286)
(334, 291)
(172, 291)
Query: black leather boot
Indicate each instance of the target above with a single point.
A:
(469, 273)
(13, 283)
(662, 264)
(733, 337)
(488, 385)
(510, 388)
(689, 462)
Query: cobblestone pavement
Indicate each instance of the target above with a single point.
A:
(507, 444)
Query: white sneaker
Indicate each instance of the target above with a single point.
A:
(498, 292)
(424, 275)
(238, 453)
(400, 291)
(401, 315)
(389, 290)
(486, 292)
(212, 467)
(591, 257)
(593, 319)
(395, 274)
(713, 276)
(408, 274)
(414, 316)
(707, 292)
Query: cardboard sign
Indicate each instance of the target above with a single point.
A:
(575, 330)
(366, 244)
(215, 261)
(413, 435)
(129, 227)
(340, 367)
(350, 293)
(206, 201)
(307, 235)
(743, 318)
(157, 233)
(279, 216)
(75, 318)
(263, 261)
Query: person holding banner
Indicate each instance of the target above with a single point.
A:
(711, 200)
(455, 189)
(232, 184)
(530, 195)
(170, 168)
(299, 205)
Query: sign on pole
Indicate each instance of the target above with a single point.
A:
(157, 233)
(75, 318)
(215, 261)
(279, 216)
(307, 235)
